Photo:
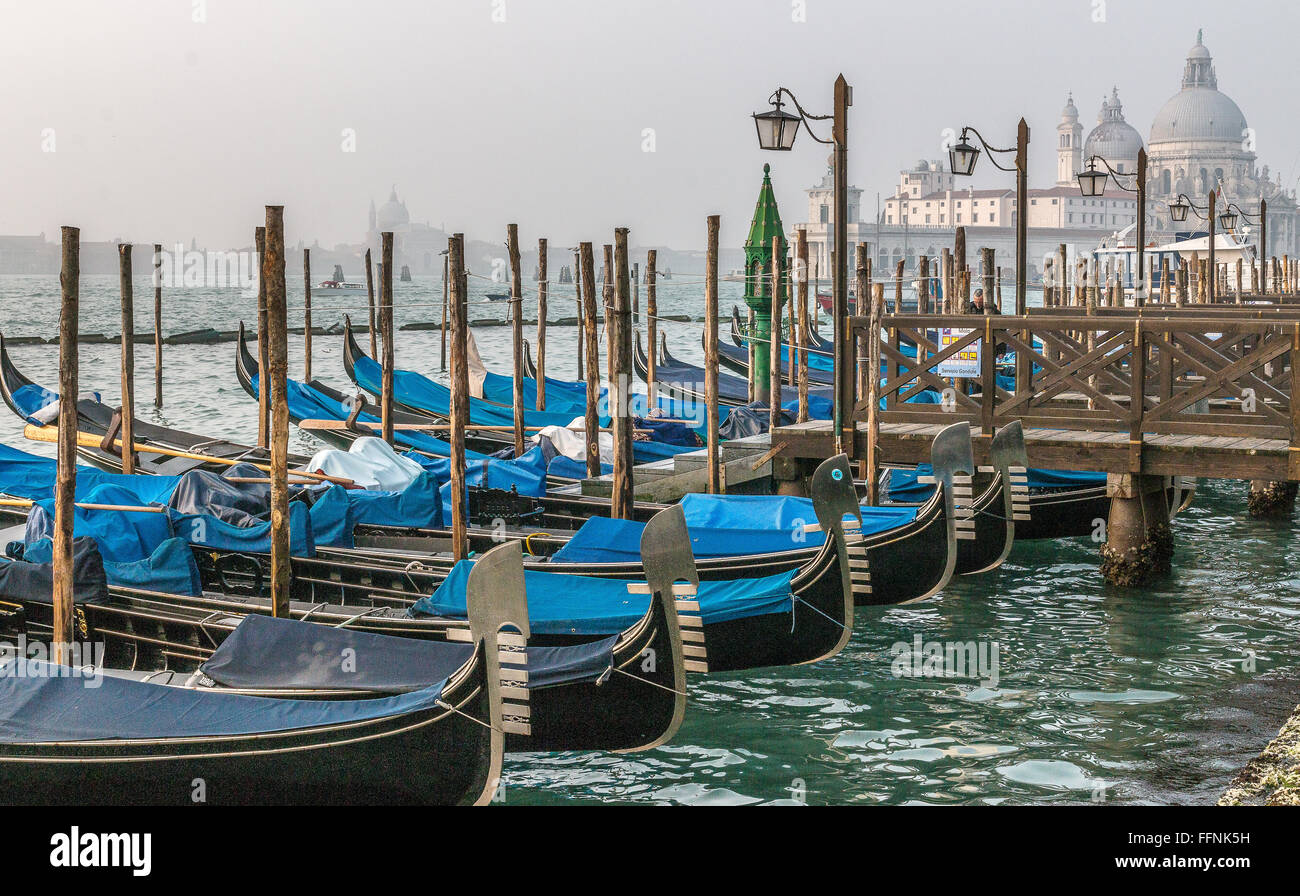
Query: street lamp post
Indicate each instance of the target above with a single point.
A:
(961, 160)
(1092, 182)
(1228, 221)
(1178, 210)
(776, 131)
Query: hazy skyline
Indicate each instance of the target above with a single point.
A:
(164, 128)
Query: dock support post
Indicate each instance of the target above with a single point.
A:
(275, 374)
(446, 309)
(1139, 545)
(711, 354)
(593, 359)
(1271, 499)
(386, 327)
(620, 383)
(263, 359)
(128, 358)
(65, 488)
(459, 395)
(306, 315)
(542, 274)
(871, 463)
(157, 325)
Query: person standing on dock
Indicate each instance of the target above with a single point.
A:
(976, 305)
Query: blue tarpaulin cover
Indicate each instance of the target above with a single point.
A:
(722, 526)
(208, 531)
(569, 604)
(264, 652)
(122, 536)
(32, 476)
(31, 399)
(170, 568)
(903, 484)
(51, 708)
(23, 581)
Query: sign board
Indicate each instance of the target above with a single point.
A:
(966, 363)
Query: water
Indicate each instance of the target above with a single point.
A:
(1102, 694)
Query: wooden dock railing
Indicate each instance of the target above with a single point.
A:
(1185, 374)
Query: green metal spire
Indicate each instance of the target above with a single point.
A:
(765, 226)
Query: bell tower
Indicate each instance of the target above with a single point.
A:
(1069, 145)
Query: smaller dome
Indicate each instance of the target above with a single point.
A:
(922, 165)
(1114, 139)
(1070, 110)
(392, 214)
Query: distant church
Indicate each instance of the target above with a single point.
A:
(1198, 140)
(416, 245)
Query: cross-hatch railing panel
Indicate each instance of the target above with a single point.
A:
(1140, 374)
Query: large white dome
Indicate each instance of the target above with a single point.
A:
(1199, 113)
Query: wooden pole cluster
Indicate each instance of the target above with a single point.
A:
(714, 475)
(277, 320)
(589, 336)
(620, 328)
(652, 327)
(459, 395)
(306, 314)
(128, 355)
(263, 358)
(157, 325)
(65, 489)
(542, 287)
(871, 464)
(923, 292)
(862, 286)
(386, 327)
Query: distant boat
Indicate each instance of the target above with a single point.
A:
(736, 275)
(339, 284)
(498, 297)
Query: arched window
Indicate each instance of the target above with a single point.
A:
(1166, 181)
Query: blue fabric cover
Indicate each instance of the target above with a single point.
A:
(722, 526)
(32, 476)
(903, 484)
(569, 604)
(563, 467)
(208, 531)
(51, 708)
(122, 536)
(263, 652)
(170, 569)
(31, 398)
(29, 581)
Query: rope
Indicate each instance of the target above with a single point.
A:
(653, 684)
(800, 600)
(489, 726)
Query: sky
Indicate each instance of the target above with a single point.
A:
(165, 120)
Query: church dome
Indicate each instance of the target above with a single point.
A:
(1199, 112)
(392, 215)
(1114, 139)
(1071, 111)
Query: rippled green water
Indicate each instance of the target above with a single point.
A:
(1102, 694)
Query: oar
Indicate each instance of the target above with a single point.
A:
(129, 508)
(86, 440)
(436, 427)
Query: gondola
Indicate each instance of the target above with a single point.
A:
(735, 357)
(630, 705)
(25, 398)
(686, 381)
(139, 742)
(816, 344)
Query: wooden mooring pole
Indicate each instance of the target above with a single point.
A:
(127, 410)
(577, 291)
(516, 334)
(541, 324)
(801, 270)
(774, 345)
(620, 325)
(386, 326)
(277, 323)
(370, 300)
(591, 420)
(445, 309)
(714, 475)
(263, 359)
(871, 464)
(459, 395)
(65, 489)
(306, 315)
(652, 327)
(157, 325)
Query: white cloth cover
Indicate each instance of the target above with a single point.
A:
(371, 463)
(572, 442)
(474, 366)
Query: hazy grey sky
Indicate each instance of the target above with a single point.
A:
(165, 127)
